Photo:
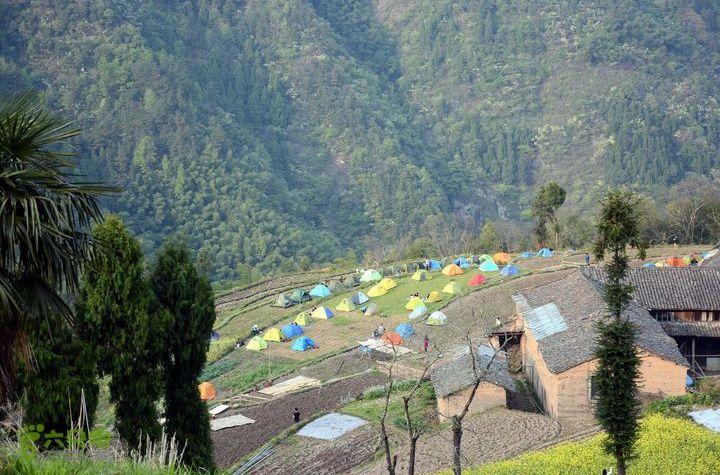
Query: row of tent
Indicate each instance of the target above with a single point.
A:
(674, 262)
(299, 296)
(259, 343)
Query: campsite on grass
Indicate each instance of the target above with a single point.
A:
(445, 305)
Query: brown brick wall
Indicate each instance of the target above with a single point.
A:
(487, 397)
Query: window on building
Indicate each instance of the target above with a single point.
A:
(662, 316)
(594, 388)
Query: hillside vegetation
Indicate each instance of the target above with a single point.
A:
(274, 134)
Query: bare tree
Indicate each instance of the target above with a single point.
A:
(413, 429)
(479, 375)
(390, 459)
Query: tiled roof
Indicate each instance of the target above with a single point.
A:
(458, 374)
(672, 288)
(578, 300)
(697, 329)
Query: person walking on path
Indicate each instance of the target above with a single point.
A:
(296, 415)
(587, 259)
(426, 342)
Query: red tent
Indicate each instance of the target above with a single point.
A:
(477, 280)
(676, 262)
(392, 338)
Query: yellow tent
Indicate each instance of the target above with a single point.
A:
(451, 288)
(207, 391)
(322, 313)
(273, 334)
(257, 343)
(502, 258)
(377, 291)
(345, 305)
(387, 283)
(452, 269)
(421, 275)
(434, 296)
(303, 319)
(414, 302)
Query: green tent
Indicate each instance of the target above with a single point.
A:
(299, 296)
(282, 301)
(350, 281)
(336, 286)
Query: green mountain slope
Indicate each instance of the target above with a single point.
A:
(278, 133)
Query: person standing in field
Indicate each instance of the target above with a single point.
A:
(426, 342)
(296, 415)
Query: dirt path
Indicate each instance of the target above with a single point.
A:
(274, 417)
(303, 456)
(487, 437)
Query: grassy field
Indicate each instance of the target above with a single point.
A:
(667, 446)
(237, 370)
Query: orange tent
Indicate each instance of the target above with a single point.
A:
(392, 338)
(477, 280)
(676, 262)
(452, 269)
(502, 258)
(207, 391)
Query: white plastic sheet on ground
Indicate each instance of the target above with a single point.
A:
(331, 426)
(291, 385)
(218, 409)
(383, 347)
(230, 421)
(709, 418)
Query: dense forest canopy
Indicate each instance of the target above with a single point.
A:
(279, 133)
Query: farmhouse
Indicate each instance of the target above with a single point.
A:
(686, 302)
(559, 327)
(453, 382)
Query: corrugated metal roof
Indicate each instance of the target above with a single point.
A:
(545, 321)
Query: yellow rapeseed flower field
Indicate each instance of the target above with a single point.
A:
(666, 447)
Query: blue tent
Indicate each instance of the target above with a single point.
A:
(435, 265)
(418, 312)
(509, 270)
(488, 265)
(649, 264)
(359, 298)
(405, 330)
(291, 330)
(303, 343)
(526, 254)
(320, 291)
(545, 252)
(462, 262)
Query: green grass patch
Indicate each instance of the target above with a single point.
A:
(708, 394)
(665, 446)
(66, 464)
(342, 320)
(371, 406)
(259, 372)
(220, 348)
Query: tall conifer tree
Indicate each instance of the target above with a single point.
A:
(114, 314)
(618, 362)
(186, 296)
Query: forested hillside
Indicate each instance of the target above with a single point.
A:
(278, 133)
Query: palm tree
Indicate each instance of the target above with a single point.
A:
(45, 217)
